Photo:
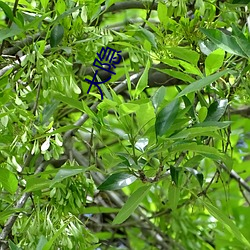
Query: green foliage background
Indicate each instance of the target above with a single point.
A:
(162, 162)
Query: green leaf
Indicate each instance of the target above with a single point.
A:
(197, 85)
(66, 172)
(143, 81)
(49, 244)
(174, 172)
(219, 125)
(33, 183)
(198, 175)
(41, 243)
(245, 2)
(223, 41)
(9, 32)
(132, 203)
(227, 223)
(128, 108)
(70, 101)
(193, 132)
(56, 35)
(162, 12)
(8, 180)
(216, 110)
(117, 181)
(98, 210)
(166, 117)
(214, 61)
(13, 246)
(177, 74)
(158, 97)
(7, 10)
(186, 54)
(173, 196)
(202, 114)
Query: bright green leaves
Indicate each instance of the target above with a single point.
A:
(56, 35)
(214, 61)
(8, 180)
(131, 204)
(237, 45)
(166, 117)
(117, 181)
(162, 12)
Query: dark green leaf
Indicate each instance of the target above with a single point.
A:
(7, 10)
(216, 110)
(117, 181)
(245, 2)
(56, 35)
(174, 172)
(166, 117)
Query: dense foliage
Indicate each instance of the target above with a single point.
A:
(162, 162)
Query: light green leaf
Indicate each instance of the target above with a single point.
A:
(49, 244)
(8, 180)
(173, 196)
(70, 101)
(186, 54)
(34, 183)
(223, 41)
(162, 12)
(197, 85)
(214, 61)
(132, 203)
(193, 132)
